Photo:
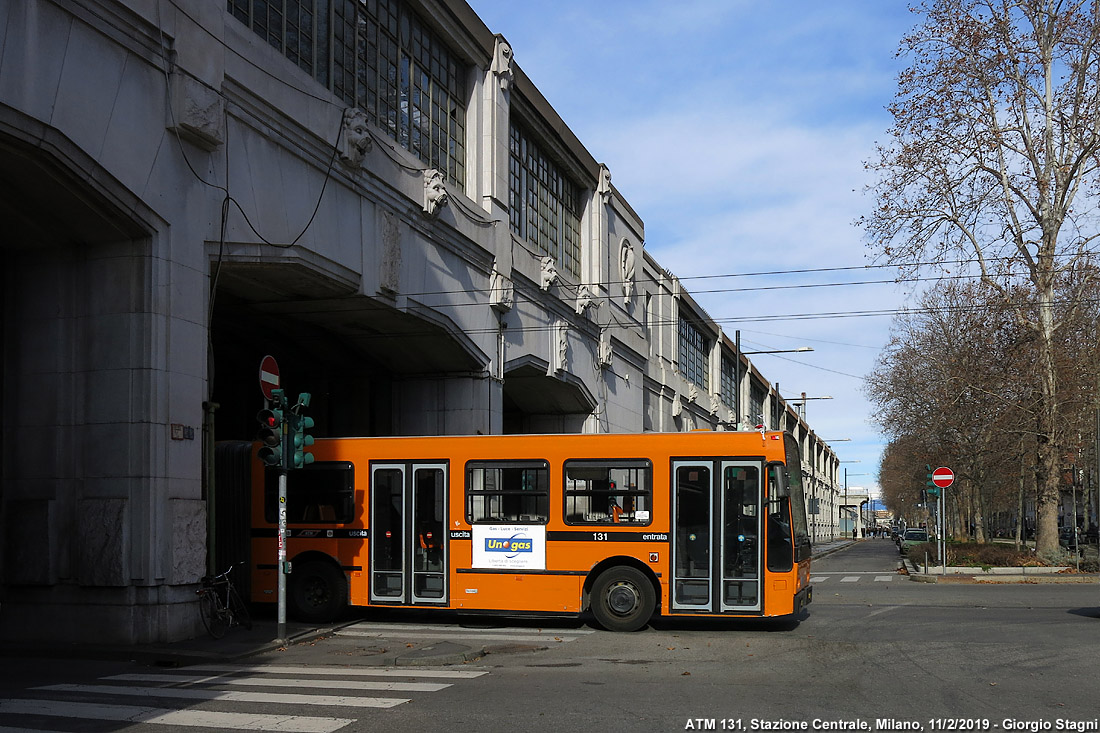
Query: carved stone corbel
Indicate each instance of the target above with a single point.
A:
(355, 138)
(548, 274)
(585, 299)
(603, 188)
(502, 63)
(605, 354)
(435, 192)
(501, 292)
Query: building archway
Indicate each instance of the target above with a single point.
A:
(534, 402)
(78, 480)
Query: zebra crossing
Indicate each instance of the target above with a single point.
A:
(256, 692)
(853, 577)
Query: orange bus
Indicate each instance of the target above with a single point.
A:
(625, 526)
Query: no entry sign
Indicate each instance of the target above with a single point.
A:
(943, 477)
(269, 376)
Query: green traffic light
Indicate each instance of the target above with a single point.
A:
(298, 424)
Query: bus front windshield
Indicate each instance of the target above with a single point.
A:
(797, 495)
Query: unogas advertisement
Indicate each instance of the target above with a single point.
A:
(509, 546)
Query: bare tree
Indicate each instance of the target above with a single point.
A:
(950, 381)
(993, 158)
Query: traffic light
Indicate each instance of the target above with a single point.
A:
(933, 489)
(271, 431)
(300, 439)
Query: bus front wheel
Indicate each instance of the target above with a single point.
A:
(623, 599)
(317, 591)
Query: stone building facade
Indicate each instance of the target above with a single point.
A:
(373, 193)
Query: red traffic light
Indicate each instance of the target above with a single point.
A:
(269, 427)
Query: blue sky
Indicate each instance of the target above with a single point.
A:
(738, 131)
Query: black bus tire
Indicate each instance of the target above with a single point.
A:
(316, 591)
(623, 599)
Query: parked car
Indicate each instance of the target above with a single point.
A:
(912, 537)
(1066, 537)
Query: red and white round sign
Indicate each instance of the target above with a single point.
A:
(269, 376)
(943, 477)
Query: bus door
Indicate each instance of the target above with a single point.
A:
(716, 536)
(408, 522)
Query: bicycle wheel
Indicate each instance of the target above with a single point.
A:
(239, 610)
(212, 613)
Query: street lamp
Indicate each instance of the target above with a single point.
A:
(780, 351)
(737, 370)
(802, 402)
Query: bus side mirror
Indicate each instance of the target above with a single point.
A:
(778, 488)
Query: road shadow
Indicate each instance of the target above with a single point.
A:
(679, 623)
(1089, 612)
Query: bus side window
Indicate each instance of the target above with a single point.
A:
(608, 492)
(321, 493)
(508, 492)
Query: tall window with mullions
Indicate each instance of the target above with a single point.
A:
(410, 84)
(298, 28)
(728, 392)
(377, 55)
(544, 204)
(694, 354)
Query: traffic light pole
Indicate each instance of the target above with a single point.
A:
(281, 560)
(284, 435)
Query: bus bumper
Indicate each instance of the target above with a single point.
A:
(803, 598)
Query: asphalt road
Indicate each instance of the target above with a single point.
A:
(874, 648)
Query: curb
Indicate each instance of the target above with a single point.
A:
(409, 660)
(916, 575)
(830, 551)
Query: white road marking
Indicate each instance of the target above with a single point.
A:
(161, 716)
(281, 682)
(456, 674)
(192, 693)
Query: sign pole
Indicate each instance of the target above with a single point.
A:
(943, 540)
(281, 559)
(270, 383)
(281, 628)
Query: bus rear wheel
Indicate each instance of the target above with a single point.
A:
(623, 599)
(317, 591)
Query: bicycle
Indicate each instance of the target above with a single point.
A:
(220, 606)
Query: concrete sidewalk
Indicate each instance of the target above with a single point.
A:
(237, 643)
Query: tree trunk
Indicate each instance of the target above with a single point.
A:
(1046, 530)
(1020, 510)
